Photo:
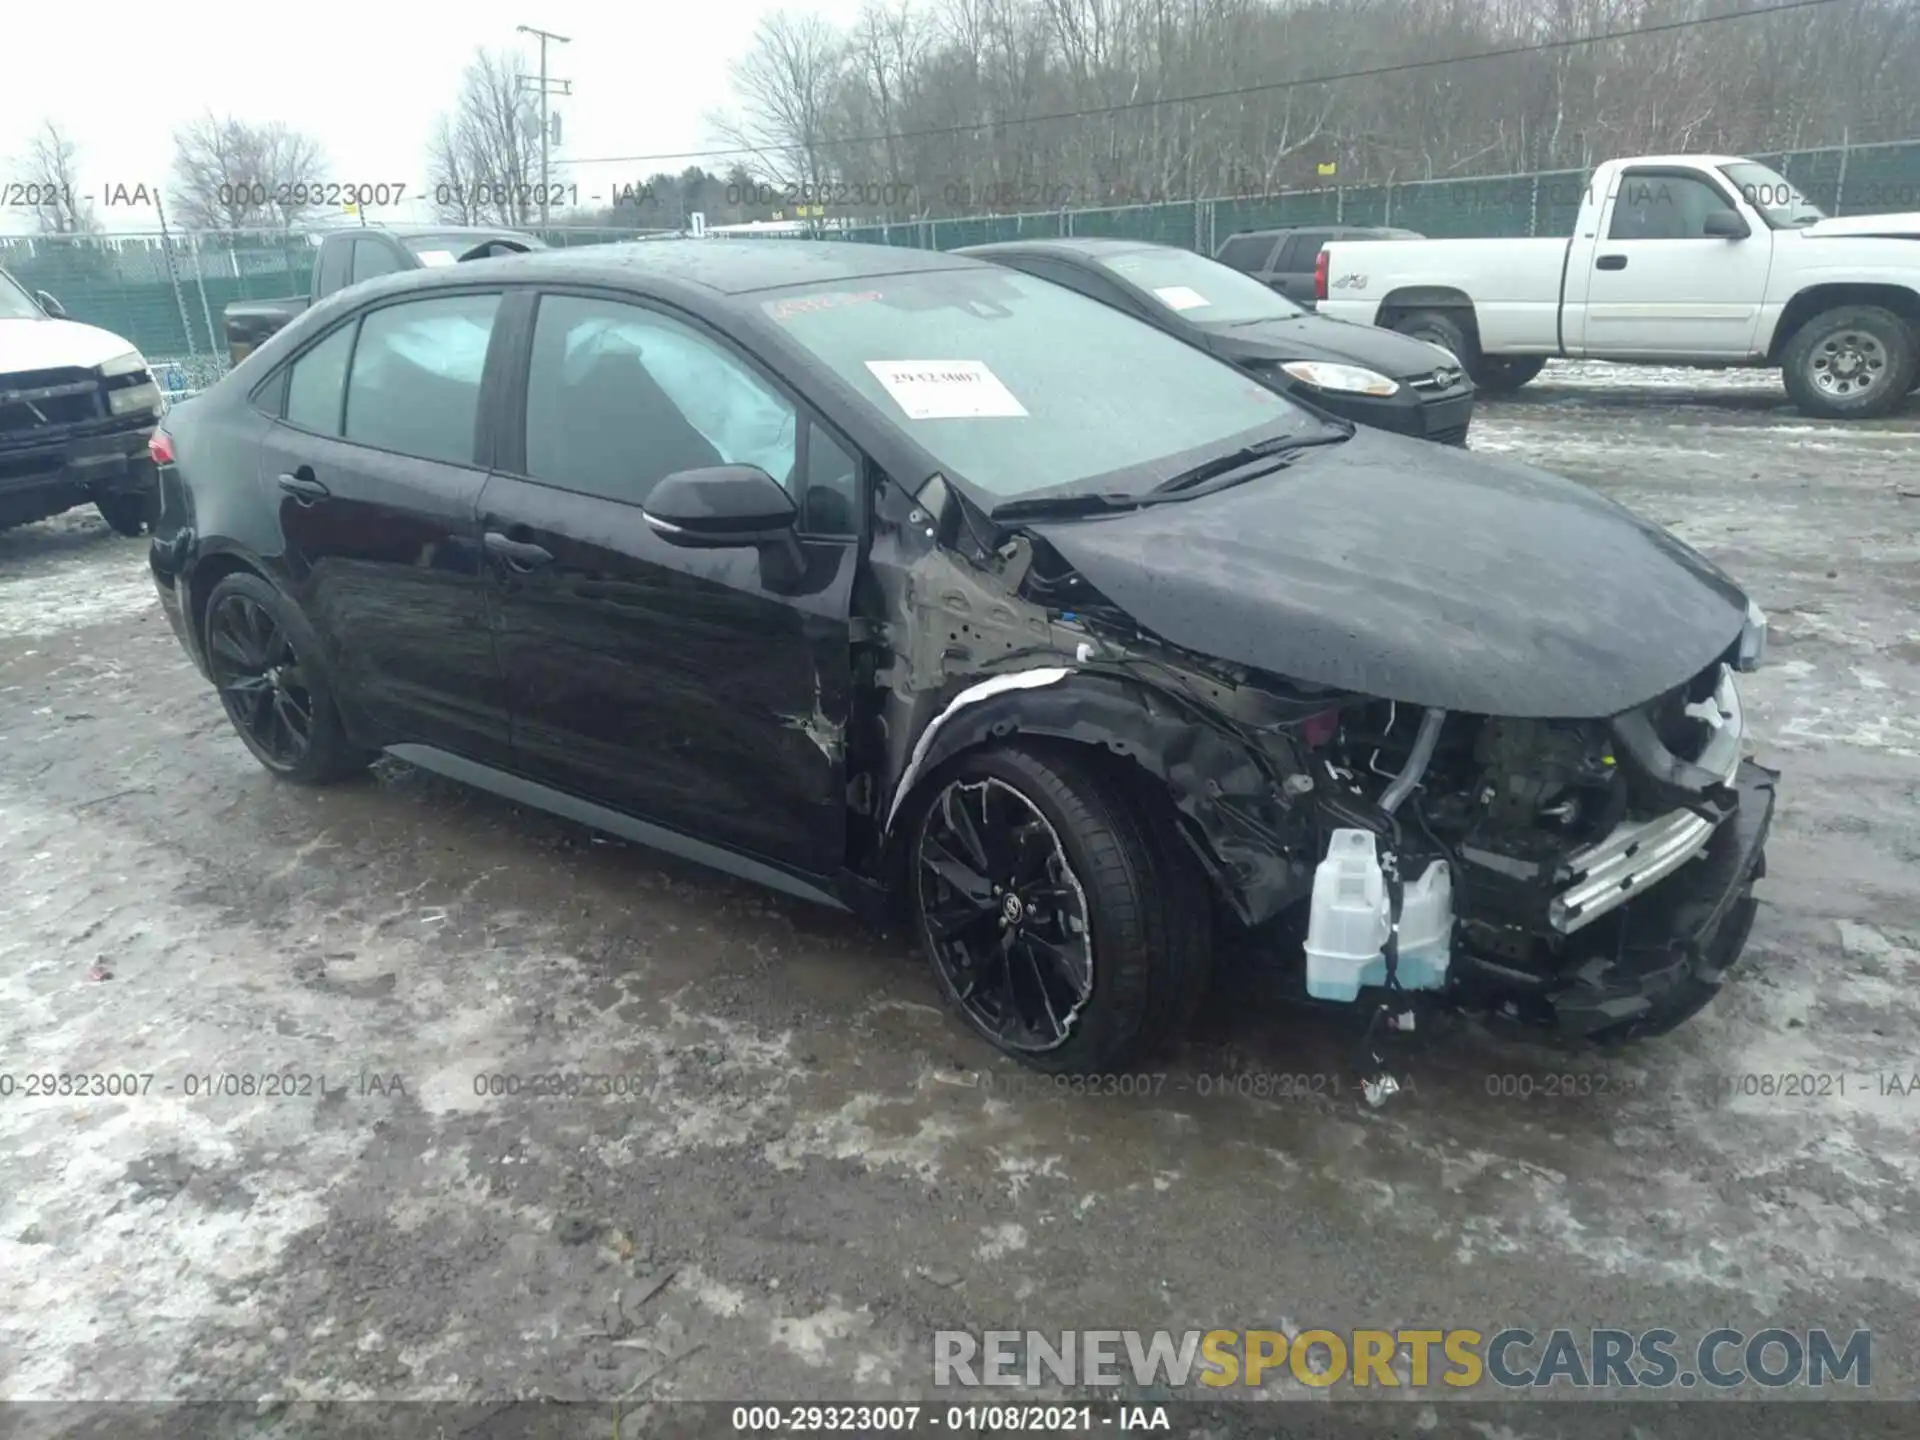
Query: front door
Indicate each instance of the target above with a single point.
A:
(1656, 284)
(373, 466)
(680, 686)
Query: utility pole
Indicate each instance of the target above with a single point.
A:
(546, 88)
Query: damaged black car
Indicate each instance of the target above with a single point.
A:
(908, 583)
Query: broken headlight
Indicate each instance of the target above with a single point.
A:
(1751, 652)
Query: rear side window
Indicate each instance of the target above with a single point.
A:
(1301, 251)
(371, 258)
(415, 384)
(317, 382)
(334, 260)
(1246, 252)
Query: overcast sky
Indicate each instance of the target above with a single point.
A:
(366, 79)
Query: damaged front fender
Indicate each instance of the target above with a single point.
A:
(1236, 813)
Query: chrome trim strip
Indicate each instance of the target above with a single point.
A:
(1638, 853)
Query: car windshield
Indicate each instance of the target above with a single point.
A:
(1016, 385)
(15, 303)
(1779, 204)
(1203, 290)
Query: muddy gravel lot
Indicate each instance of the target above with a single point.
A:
(804, 1167)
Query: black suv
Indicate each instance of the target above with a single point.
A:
(1284, 259)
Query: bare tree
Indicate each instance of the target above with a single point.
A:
(483, 160)
(787, 85)
(232, 175)
(1032, 104)
(49, 178)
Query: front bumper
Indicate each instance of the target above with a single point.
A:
(1443, 418)
(76, 464)
(1661, 956)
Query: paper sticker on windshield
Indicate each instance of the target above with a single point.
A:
(436, 257)
(1179, 297)
(945, 389)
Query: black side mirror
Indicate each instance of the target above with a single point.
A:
(52, 306)
(721, 507)
(1724, 225)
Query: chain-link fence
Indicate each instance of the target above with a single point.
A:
(1850, 180)
(165, 290)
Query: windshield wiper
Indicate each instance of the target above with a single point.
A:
(1189, 481)
(1229, 469)
(1085, 502)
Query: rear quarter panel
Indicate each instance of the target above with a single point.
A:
(1513, 285)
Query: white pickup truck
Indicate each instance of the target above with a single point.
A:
(1707, 260)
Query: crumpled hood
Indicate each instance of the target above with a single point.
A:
(50, 344)
(1906, 226)
(1320, 337)
(1411, 572)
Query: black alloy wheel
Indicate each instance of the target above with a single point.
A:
(261, 681)
(1005, 915)
(1065, 922)
(259, 649)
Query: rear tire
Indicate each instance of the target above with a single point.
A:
(265, 663)
(1065, 920)
(1504, 374)
(1855, 362)
(126, 513)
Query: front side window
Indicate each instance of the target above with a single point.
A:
(1660, 205)
(619, 397)
(1016, 385)
(415, 384)
(316, 383)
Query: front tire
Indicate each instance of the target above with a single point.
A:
(1855, 362)
(264, 659)
(1066, 922)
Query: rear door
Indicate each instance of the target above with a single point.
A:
(681, 686)
(373, 463)
(1293, 266)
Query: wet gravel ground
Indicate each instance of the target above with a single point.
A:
(805, 1167)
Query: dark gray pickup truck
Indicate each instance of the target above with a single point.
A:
(349, 256)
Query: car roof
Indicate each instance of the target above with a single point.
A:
(1323, 225)
(406, 230)
(719, 266)
(1091, 246)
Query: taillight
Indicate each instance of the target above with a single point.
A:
(160, 447)
(1320, 274)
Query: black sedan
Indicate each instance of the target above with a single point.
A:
(1360, 372)
(882, 575)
